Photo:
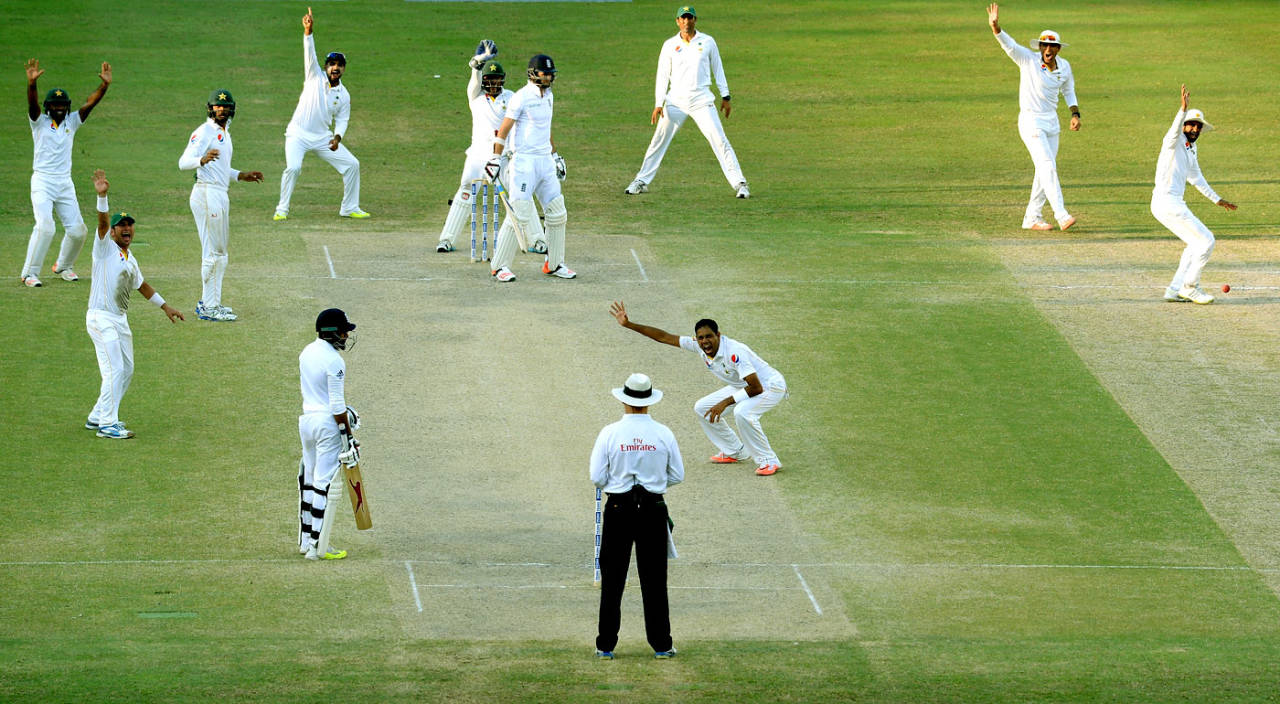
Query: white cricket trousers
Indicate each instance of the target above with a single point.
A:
(210, 206)
(113, 343)
(296, 147)
(320, 448)
(708, 120)
(746, 415)
(50, 195)
(532, 175)
(1042, 143)
(1175, 215)
(460, 210)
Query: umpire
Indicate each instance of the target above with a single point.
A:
(634, 461)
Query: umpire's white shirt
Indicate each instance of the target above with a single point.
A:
(320, 103)
(323, 374)
(217, 172)
(53, 144)
(1039, 86)
(115, 276)
(1179, 165)
(685, 70)
(532, 114)
(734, 362)
(636, 450)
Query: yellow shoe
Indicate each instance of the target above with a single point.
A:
(280, 216)
(357, 214)
(331, 554)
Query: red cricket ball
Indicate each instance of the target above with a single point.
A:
(1226, 288)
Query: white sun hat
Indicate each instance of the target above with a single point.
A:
(1194, 115)
(638, 391)
(1048, 36)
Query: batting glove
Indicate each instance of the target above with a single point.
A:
(350, 454)
(493, 167)
(353, 418)
(561, 171)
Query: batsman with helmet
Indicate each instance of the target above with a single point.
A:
(326, 428)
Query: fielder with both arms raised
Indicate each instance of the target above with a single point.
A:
(751, 387)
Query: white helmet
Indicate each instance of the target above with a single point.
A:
(1194, 115)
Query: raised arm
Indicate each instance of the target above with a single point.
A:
(619, 311)
(33, 98)
(96, 96)
(310, 62)
(1174, 135)
(993, 18)
(104, 215)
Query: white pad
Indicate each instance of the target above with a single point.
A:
(505, 252)
(332, 504)
(557, 216)
(458, 218)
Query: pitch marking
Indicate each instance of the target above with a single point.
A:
(807, 591)
(327, 258)
(639, 266)
(413, 584)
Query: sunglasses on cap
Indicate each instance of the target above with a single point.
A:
(336, 57)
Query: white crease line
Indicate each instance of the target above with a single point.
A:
(413, 584)
(583, 586)
(332, 274)
(640, 266)
(807, 591)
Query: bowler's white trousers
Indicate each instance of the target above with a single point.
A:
(113, 343)
(320, 448)
(1041, 138)
(210, 207)
(1175, 215)
(50, 195)
(746, 415)
(708, 120)
(298, 146)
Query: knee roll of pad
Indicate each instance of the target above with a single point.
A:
(555, 211)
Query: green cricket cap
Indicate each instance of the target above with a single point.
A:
(56, 96)
(121, 217)
(221, 97)
(686, 10)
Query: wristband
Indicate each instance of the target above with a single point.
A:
(1075, 113)
(724, 97)
(102, 205)
(740, 395)
(156, 299)
(499, 140)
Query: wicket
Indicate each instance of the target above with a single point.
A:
(597, 575)
(483, 199)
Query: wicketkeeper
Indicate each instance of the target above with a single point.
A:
(325, 427)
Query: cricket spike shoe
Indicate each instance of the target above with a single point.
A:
(331, 553)
(1171, 296)
(604, 654)
(358, 214)
(665, 654)
(768, 470)
(636, 188)
(743, 191)
(280, 215)
(115, 431)
(504, 275)
(722, 458)
(1066, 224)
(31, 282)
(561, 271)
(1194, 294)
(67, 274)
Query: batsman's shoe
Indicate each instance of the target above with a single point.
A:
(1171, 296)
(561, 271)
(1195, 295)
(538, 247)
(1066, 224)
(768, 470)
(665, 654)
(722, 458)
(31, 282)
(115, 431)
(217, 314)
(604, 654)
(444, 246)
(636, 188)
(357, 214)
(743, 191)
(304, 548)
(280, 215)
(504, 275)
(67, 274)
(331, 553)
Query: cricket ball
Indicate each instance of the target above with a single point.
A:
(1226, 288)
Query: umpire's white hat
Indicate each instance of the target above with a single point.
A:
(1048, 36)
(638, 391)
(1194, 115)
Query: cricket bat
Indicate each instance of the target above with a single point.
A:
(355, 489)
(521, 237)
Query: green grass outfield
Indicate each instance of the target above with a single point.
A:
(983, 514)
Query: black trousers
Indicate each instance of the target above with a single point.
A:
(641, 518)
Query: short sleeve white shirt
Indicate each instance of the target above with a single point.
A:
(636, 450)
(734, 362)
(53, 144)
(209, 136)
(532, 114)
(115, 276)
(323, 374)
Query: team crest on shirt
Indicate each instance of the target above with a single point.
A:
(678, 49)
(219, 136)
(194, 135)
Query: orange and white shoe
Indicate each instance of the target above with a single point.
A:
(1065, 224)
(722, 458)
(768, 470)
(1038, 225)
(561, 271)
(504, 275)
(67, 274)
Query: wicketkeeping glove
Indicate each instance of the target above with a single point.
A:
(561, 171)
(484, 51)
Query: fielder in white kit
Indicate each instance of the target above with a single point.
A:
(209, 153)
(324, 100)
(115, 276)
(1043, 76)
(1177, 166)
(535, 170)
(686, 65)
(52, 190)
(751, 387)
(487, 99)
(326, 429)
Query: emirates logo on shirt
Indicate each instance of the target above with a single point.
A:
(636, 445)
